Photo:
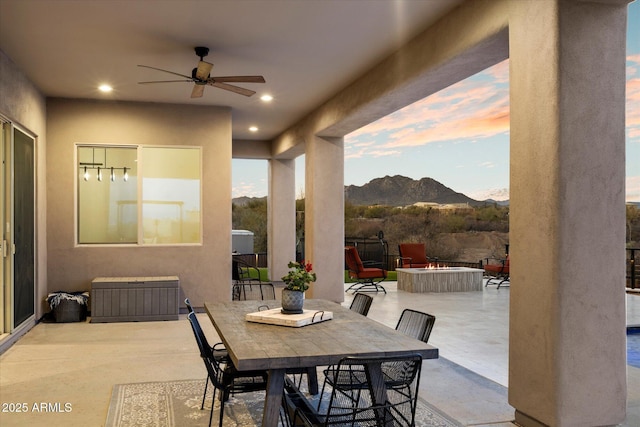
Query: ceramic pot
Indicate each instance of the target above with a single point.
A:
(292, 301)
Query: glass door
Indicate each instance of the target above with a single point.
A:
(5, 292)
(17, 227)
(23, 221)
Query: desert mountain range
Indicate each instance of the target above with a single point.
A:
(398, 190)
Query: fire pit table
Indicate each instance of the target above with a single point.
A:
(440, 279)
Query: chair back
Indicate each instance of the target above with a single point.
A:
(242, 271)
(361, 303)
(416, 324)
(214, 369)
(253, 291)
(413, 253)
(357, 401)
(188, 304)
(351, 256)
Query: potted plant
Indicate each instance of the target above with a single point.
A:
(297, 281)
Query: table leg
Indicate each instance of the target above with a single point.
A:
(312, 380)
(379, 390)
(273, 398)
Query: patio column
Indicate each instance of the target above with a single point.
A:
(567, 350)
(281, 217)
(324, 214)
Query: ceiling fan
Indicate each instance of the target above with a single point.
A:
(200, 76)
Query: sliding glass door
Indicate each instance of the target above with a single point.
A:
(17, 227)
(23, 227)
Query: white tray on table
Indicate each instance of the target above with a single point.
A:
(276, 317)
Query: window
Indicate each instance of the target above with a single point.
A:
(116, 207)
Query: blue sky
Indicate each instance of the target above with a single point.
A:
(458, 136)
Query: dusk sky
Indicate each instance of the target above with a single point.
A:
(458, 136)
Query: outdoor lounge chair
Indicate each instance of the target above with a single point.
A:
(413, 255)
(367, 277)
(498, 273)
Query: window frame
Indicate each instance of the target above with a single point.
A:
(140, 196)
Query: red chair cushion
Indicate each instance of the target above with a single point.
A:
(371, 273)
(415, 251)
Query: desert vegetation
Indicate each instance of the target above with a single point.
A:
(456, 234)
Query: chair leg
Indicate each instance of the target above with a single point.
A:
(213, 402)
(206, 384)
(361, 287)
(221, 414)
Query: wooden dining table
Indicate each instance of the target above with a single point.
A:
(258, 346)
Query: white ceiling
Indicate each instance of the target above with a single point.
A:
(306, 49)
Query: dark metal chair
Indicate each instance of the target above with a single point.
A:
(253, 291)
(497, 273)
(219, 352)
(224, 377)
(416, 324)
(361, 303)
(367, 277)
(367, 392)
(244, 272)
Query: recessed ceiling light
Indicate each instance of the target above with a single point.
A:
(253, 129)
(266, 98)
(105, 88)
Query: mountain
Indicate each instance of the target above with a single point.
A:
(244, 200)
(401, 191)
(498, 195)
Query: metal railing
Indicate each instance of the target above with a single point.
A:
(633, 268)
(390, 261)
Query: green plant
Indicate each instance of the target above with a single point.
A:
(299, 277)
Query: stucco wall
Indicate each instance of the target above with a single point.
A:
(204, 271)
(24, 105)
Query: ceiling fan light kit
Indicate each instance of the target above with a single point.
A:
(201, 77)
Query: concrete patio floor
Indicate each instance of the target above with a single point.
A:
(79, 363)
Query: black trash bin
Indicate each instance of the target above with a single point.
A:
(68, 306)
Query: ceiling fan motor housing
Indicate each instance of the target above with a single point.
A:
(202, 51)
(195, 78)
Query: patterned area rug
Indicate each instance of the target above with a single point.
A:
(177, 404)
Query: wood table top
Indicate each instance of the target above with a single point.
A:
(261, 346)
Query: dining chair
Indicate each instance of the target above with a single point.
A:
(359, 399)
(253, 291)
(413, 323)
(219, 352)
(416, 324)
(224, 377)
(361, 303)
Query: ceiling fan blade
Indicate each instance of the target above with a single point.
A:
(239, 79)
(197, 91)
(165, 71)
(204, 68)
(165, 81)
(232, 88)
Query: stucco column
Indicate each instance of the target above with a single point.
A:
(324, 215)
(567, 349)
(281, 206)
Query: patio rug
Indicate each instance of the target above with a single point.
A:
(177, 404)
